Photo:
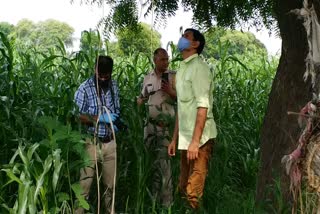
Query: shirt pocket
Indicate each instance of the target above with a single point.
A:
(185, 93)
(150, 88)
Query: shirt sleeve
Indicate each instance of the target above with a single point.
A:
(144, 91)
(201, 85)
(116, 97)
(80, 100)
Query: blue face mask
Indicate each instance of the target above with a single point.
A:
(183, 44)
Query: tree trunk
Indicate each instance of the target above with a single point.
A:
(280, 131)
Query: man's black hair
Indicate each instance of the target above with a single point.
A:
(104, 64)
(197, 36)
(155, 53)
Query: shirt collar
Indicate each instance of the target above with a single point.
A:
(190, 58)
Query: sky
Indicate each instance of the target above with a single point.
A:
(84, 17)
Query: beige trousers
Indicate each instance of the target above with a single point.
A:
(104, 153)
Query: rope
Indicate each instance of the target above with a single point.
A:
(111, 123)
(95, 136)
(100, 106)
(104, 108)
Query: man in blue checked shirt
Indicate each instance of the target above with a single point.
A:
(93, 96)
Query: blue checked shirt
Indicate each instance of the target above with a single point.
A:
(86, 100)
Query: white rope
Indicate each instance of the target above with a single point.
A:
(104, 108)
(95, 152)
(96, 133)
(113, 133)
(115, 161)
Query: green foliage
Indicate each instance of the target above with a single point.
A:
(240, 43)
(206, 13)
(122, 14)
(42, 35)
(113, 48)
(6, 28)
(90, 42)
(39, 132)
(141, 39)
(35, 169)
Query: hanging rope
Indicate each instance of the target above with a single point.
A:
(101, 110)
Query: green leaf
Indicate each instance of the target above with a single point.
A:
(12, 176)
(46, 168)
(23, 156)
(57, 167)
(32, 207)
(78, 192)
(31, 150)
(23, 194)
(62, 196)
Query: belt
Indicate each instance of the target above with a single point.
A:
(105, 139)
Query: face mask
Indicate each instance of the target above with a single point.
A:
(103, 83)
(183, 44)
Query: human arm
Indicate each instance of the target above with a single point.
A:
(201, 88)
(81, 100)
(144, 93)
(88, 119)
(193, 148)
(166, 87)
(84, 98)
(140, 100)
(169, 86)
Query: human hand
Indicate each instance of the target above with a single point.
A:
(166, 87)
(140, 100)
(172, 148)
(104, 118)
(193, 150)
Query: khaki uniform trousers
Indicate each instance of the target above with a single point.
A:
(156, 139)
(193, 174)
(106, 155)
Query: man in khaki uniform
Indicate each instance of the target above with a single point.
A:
(159, 92)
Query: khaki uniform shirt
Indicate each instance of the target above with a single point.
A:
(160, 104)
(194, 90)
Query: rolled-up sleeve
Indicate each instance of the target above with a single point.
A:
(201, 85)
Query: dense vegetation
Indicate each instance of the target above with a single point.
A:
(41, 146)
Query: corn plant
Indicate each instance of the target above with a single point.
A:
(42, 148)
(42, 171)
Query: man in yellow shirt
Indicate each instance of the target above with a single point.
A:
(195, 126)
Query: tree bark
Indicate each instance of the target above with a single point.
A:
(280, 131)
